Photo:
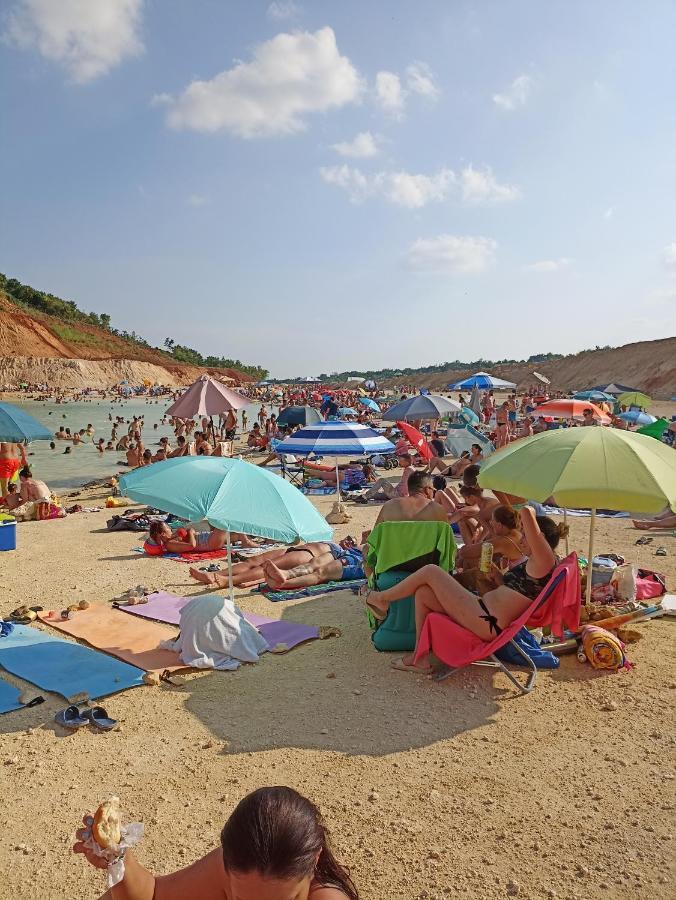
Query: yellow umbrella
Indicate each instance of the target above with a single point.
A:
(634, 398)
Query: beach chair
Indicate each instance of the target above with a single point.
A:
(557, 606)
(295, 474)
(395, 549)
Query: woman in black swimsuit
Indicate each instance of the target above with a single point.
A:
(437, 591)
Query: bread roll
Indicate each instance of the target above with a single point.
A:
(106, 827)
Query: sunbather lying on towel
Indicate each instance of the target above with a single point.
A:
(274, 845)
(252, 572)
(338, 564)
(163, 540)
(437, 591)
(666, 519)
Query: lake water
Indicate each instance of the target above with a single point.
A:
(84, 462)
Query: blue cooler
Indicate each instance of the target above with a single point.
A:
(7, 533)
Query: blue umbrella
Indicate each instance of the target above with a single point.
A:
(17, 426)
(336, 439)
(424, 406)
(594, 396)
(468, 416)
(482, 380)
(346, 411)
(636, 417)
(299, 415)
(371, 404)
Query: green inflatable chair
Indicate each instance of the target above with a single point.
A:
(395, 549)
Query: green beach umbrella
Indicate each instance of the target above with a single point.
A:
(654, 429)
(587, 467)
(634, 398)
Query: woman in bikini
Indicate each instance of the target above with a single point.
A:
(161, 539)
(437, 591)
(274, 846)
(507, 540)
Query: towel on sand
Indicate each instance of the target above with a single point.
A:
(312, 591)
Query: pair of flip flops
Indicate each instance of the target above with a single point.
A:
(644, 540)
(74, 718)
(23, 615)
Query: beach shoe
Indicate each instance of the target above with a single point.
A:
(22, 615)
(644, 540)
(214, 567)
(98, 717)
(661, 551)
(70, 718)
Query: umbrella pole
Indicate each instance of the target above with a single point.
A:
(565, 524)
(337, 480)
(231, 590)
(591, 557)
(213, 432)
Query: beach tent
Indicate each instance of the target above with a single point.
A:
(461, 438)
(482, 380)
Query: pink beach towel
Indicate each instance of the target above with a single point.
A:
(557, 606)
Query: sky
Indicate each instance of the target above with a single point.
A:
(319, 186)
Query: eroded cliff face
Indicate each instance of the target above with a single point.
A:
(80, 373)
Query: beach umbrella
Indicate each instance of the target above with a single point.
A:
(587, 467)
(16, 426)
(422, 406)
(636, 417)
(570, 409)
(336, 438)
(634, 398)
(468, 416)
(416, 439)
(346, 411)
(475, 401)
(206, 397)
(371, 404)
(542, 378)
(613, 388)
(299, 415)
(654, 429)
(594, 396)
(482, 380)
(231, 494)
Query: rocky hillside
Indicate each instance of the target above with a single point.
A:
(35, 347)
(648, 365)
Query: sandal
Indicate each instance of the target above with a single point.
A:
(644, 540)
(401, 666)
(377, 613)
(71, 718)
(98, 717)
(661, 551)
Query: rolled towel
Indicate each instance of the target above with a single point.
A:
(603, 649)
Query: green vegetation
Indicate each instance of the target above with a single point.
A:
(67, 311)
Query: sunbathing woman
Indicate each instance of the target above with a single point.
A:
(186, 540)
(252, 571)
(274, 845)
(437, 591)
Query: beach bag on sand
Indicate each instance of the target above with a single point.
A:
(338, 514)
(649, 584)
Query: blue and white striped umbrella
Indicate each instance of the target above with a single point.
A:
(335, 438)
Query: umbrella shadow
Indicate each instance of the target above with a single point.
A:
(338, 694)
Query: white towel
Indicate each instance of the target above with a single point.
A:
(215, 635)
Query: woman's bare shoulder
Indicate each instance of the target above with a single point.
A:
(327, 893)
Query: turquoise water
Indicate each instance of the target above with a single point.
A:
(84, 462)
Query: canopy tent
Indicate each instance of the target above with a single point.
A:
(422, 406)
(482, 380)
(17, 426)
(461, 438)
(299, 415)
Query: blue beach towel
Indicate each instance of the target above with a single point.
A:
(314, 591)
(64, 667)
(9, 697)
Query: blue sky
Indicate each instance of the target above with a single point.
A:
(318, 186)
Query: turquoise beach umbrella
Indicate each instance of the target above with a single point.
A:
(17, 426)
(230, 494)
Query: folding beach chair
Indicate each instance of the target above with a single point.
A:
(295, 474)
(557, 606)
(395, 549)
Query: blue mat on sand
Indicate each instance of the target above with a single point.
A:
(9, 697)
(64, 667)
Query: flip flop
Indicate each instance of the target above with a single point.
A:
(661, 551)
(70, 718)
(643, 540)
(401, 666)
(98, 717)
(376, 612)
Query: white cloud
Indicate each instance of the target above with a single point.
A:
(389, 93)
(289, 77)
(452, 254)
(87, 37)
(398, 188)
(669, 256)
(197, 200)
(480, 187)
(548, 265)
(419, 80)
(362, 146)
(279, 10)
(516, 94)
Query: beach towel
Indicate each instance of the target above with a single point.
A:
(164, 607)
(542, 510)
(64, 667)
(603, 649)
(9, 697)
(135, 641)
(318, 491)
(312, 591)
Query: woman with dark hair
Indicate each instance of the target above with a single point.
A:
(274, 846)
(486, 616)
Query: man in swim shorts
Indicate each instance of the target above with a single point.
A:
(12, 458)
(342, 562)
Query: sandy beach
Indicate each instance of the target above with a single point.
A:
(431, 790)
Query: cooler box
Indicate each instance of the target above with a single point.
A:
(7, 533)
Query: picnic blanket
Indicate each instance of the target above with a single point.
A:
(312, 591)
(64, 667)
(9, 697)
(135, 641)
(165, 607)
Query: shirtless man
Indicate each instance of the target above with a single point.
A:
(383, 486)
(134, 455)
(418, 506)
(12, 458)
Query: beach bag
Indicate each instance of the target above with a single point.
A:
(338, 514)
(624, 580)
(649, 584)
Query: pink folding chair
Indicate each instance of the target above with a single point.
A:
(557, 606)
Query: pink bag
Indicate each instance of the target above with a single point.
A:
(649, 584)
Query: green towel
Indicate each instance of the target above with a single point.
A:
(391, 544)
